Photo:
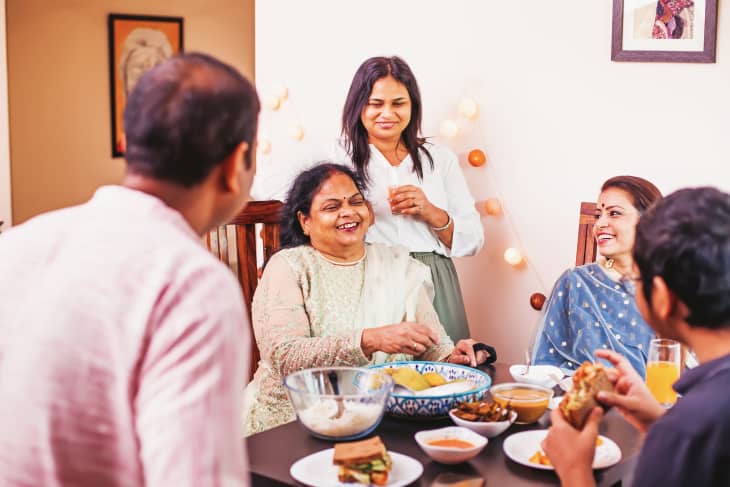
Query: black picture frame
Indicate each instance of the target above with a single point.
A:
(136, 43)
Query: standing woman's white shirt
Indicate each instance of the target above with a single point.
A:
(444, 186)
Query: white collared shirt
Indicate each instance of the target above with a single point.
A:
(444, 186)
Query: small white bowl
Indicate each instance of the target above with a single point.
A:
(490, 429)
(445, 454)
(539, 375)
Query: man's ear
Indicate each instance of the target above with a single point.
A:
(232, 168)
(663, 301)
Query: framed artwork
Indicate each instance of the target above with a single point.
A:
(136, 44)
(674, 31)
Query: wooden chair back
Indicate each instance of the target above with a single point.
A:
(585, 252)
(244, 261)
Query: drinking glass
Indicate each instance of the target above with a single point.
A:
(662, 370)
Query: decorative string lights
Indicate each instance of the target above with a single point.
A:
(469, 109)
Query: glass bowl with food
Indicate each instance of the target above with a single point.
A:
(339, 403)
(530, 401)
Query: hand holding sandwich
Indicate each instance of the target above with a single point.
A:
(631, 396)
(574, 464)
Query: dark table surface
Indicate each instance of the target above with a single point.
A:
(272, 452)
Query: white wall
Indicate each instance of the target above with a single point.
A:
(557, 117)
(5, 199)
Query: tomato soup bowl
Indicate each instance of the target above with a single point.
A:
(529, 400)
(453, 444)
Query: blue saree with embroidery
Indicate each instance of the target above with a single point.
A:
(588, 310)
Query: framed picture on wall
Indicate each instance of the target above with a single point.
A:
(680, 31)
(136, 44)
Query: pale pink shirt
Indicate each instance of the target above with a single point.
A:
(122, 350)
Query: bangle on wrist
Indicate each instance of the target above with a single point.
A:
(441, 229)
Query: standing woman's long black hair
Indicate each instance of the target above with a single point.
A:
(353, 131)
(303, 190)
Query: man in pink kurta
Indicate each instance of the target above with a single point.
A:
(122, 340)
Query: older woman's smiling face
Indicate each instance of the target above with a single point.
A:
(338, 219)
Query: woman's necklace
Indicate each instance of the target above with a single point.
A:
(352, 262)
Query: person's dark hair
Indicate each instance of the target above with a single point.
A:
(353, 131)
(685, 239)
(642, 192)
(185, 116)
(303, 190)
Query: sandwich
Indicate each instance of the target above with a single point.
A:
(578, 403)
(365, 462)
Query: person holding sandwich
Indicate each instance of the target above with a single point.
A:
(682, 262)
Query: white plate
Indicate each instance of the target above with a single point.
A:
(521, 446)
(317, 470)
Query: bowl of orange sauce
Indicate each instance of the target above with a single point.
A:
(529, 400)
(453, 444)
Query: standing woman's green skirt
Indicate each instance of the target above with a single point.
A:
(448, 301)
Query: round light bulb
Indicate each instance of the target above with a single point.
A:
(296, 132)
(493, 207)
(280, 90)
(264, 146)
(272, 102)
(513, 256)
(449, 128)
(468, 108)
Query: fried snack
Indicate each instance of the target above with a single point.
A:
(366, 462)
(483, 411)
(577, 404)
(540, 458)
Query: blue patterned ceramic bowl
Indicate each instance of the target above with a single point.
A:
(428, 407)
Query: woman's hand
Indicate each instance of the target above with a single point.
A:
(571, 451)
(463, 354)
(406, 337)
(411, 200)
(632, 398)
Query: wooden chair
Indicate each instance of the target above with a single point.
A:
(244, 262)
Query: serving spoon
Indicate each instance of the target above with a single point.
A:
(332, 376)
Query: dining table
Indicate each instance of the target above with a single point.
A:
(271, 453)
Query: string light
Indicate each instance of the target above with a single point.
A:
(296, 132)
(272, 102)
(513, 256)
(264, 146)
(468, 108)
(477, 158)
(493, 207)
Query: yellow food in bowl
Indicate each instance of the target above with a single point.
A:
(529, 401)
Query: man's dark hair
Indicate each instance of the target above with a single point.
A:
(354, 132)
(185, 116)
(303, 190)
(685, 239)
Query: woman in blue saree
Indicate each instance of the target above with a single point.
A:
(592, 306)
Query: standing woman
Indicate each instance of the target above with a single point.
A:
(417, 189)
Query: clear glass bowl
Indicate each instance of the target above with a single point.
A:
(362, 394)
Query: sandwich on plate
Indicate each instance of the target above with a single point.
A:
(578, 403)
(365, 462)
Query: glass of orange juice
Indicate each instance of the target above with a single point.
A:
(662, 370)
